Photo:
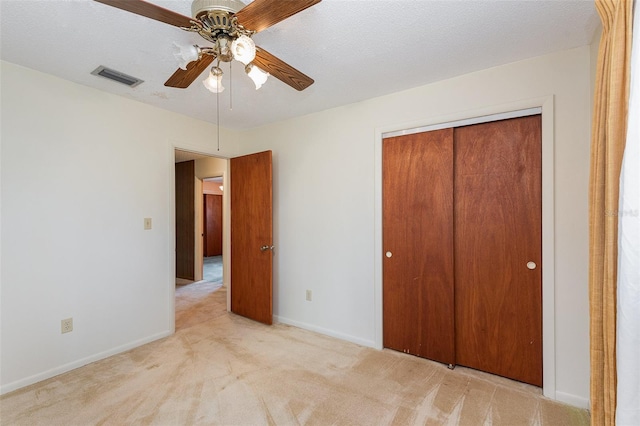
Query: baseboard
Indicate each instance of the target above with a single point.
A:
(10, 387)
(564, 397)
(576, 401)
(325, 331)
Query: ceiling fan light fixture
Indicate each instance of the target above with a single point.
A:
(258, 76)
(243, 49)
(221, 22)
(186, 54)
(214, 82)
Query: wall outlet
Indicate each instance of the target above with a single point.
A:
(66, 325)
(147, 223)
(309, 295)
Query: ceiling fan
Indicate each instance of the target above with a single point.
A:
(229, 25)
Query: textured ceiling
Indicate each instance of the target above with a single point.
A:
(354, 49)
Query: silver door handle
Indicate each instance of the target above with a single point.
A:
(264, 248)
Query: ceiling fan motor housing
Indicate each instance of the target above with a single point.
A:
(199, 7)
(215, 24)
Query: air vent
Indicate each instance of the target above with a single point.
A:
(114, 75)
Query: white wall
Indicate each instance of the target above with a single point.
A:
(69, 250)
(326, 210)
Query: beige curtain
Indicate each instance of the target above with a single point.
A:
(607, 145)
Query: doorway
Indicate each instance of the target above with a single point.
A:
(212, 229)
(252, 234)
(209, 267)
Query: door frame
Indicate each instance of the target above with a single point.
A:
(490, 113)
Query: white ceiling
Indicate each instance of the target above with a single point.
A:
(354, 49)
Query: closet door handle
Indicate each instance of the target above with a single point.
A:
(531, 265)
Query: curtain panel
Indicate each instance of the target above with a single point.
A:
(607, 147)
(628, 329)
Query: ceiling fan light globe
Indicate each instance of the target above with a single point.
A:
(243, 49)
(186, 54)
(214, 82)
(258, 76)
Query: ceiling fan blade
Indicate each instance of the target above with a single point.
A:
(150, 10)
(281, 70)
(181, 79)
(261, 14)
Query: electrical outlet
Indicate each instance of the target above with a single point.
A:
(66, 325)
(309, 295)
(147, 223)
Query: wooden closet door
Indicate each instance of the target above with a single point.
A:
(498, 226)
(185, 220)
(418, 310)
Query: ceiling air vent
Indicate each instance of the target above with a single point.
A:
(114, 75)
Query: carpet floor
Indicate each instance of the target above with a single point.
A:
(227, 370)
(211, 271)
(197, 303)
(212, 268)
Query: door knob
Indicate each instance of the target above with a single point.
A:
(388, 254)
(264, 248)
(531, 265)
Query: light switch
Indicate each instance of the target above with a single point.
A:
(147, 223)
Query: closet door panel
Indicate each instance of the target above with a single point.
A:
(498, 226)
(212, 225)
(418, 309)
(185, 220)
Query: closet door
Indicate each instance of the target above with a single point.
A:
(185, 220)
(498, 248)
(418, 310)
(212, 225)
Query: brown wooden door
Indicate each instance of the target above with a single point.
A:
(251, 232)
(212, 225)
(418, 310)
(497, 232)
(185, 220)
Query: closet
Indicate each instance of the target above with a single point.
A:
(462, 246)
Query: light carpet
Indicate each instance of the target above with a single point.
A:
(228, 370)
(197, 303)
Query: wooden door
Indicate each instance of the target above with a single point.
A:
(497, 232)
(418, 310)
(251, 232)
(185, 220)
(212, 225)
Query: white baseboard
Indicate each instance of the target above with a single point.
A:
(10, 387)
(576, 401)
(326, 331)
(567, 398)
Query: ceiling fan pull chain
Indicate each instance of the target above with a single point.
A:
(218, 117)
(230, 87)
